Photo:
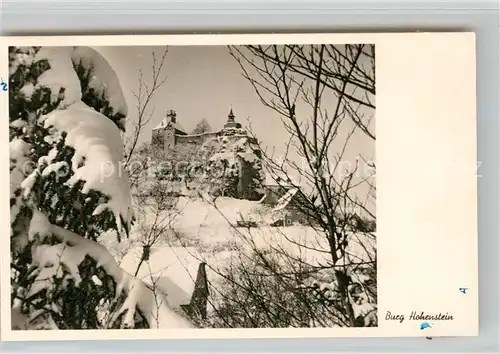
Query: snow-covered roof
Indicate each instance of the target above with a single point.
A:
(285, 199)
(165, 122)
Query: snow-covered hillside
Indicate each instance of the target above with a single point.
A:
(207, 232)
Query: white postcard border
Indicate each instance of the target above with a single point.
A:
(426, 183)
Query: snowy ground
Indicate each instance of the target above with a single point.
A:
(206, 233)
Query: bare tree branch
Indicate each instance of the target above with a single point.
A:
(144, 97)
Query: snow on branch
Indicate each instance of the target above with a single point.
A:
(96, 141)
(103, 80)
(72, 251)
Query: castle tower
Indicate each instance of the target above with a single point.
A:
(172, 116)
(164, 134)
(230, 117)
(169, 137)
(231, 123)
(169, 134)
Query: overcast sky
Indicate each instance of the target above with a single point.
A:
(205, 82)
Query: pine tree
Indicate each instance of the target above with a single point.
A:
(66, 112)
(202, 127)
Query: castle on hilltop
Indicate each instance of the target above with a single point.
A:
(246, 178)
(169, 134)
(229, 158)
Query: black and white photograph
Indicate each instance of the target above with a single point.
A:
(195, 186)
(239, 186)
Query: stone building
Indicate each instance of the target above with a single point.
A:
(169, 134)
(275, 188)
(284, 196)
(232, 143)
(165, 134)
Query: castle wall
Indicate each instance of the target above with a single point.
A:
(169, 139)
(194, 139)
(158, 139)
(163, 139)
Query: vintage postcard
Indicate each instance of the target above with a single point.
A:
(238, 186)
